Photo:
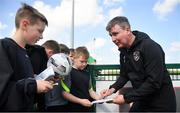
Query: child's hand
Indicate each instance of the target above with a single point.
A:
(43, 86)
(86, 103)
(55, 78)
(107, 92)
(99, 97)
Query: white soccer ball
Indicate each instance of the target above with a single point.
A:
(61, 64)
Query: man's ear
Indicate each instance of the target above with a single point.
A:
(128, 30)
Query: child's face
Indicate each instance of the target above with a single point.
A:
(80, 62)
(49, 52)
(71, 55)
(33, 33)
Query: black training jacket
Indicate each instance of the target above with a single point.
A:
(39, 58)
(17, 84)
(143, 64)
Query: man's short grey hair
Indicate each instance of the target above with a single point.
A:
(119, 20)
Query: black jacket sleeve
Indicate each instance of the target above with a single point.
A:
(5, 74)
(153, 58)
(123, 79)
(38, 57)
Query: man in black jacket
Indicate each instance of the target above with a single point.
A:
(143, 64)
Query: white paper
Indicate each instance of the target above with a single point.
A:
(46, 74)
(102, 101)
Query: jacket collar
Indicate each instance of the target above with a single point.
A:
(139, 36)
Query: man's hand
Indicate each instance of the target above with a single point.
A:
(85, 102)
(119, 99)
(43, 86)
(106, 92)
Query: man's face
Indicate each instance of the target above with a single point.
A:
(80, 62)
(33, 33)
(120, 36)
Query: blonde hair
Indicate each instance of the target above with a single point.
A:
(81, 51)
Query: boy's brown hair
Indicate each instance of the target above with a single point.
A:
(81, 51)
(64, 49)
(30, 13)
(53, 45)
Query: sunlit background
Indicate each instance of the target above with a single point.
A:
(160, 19)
